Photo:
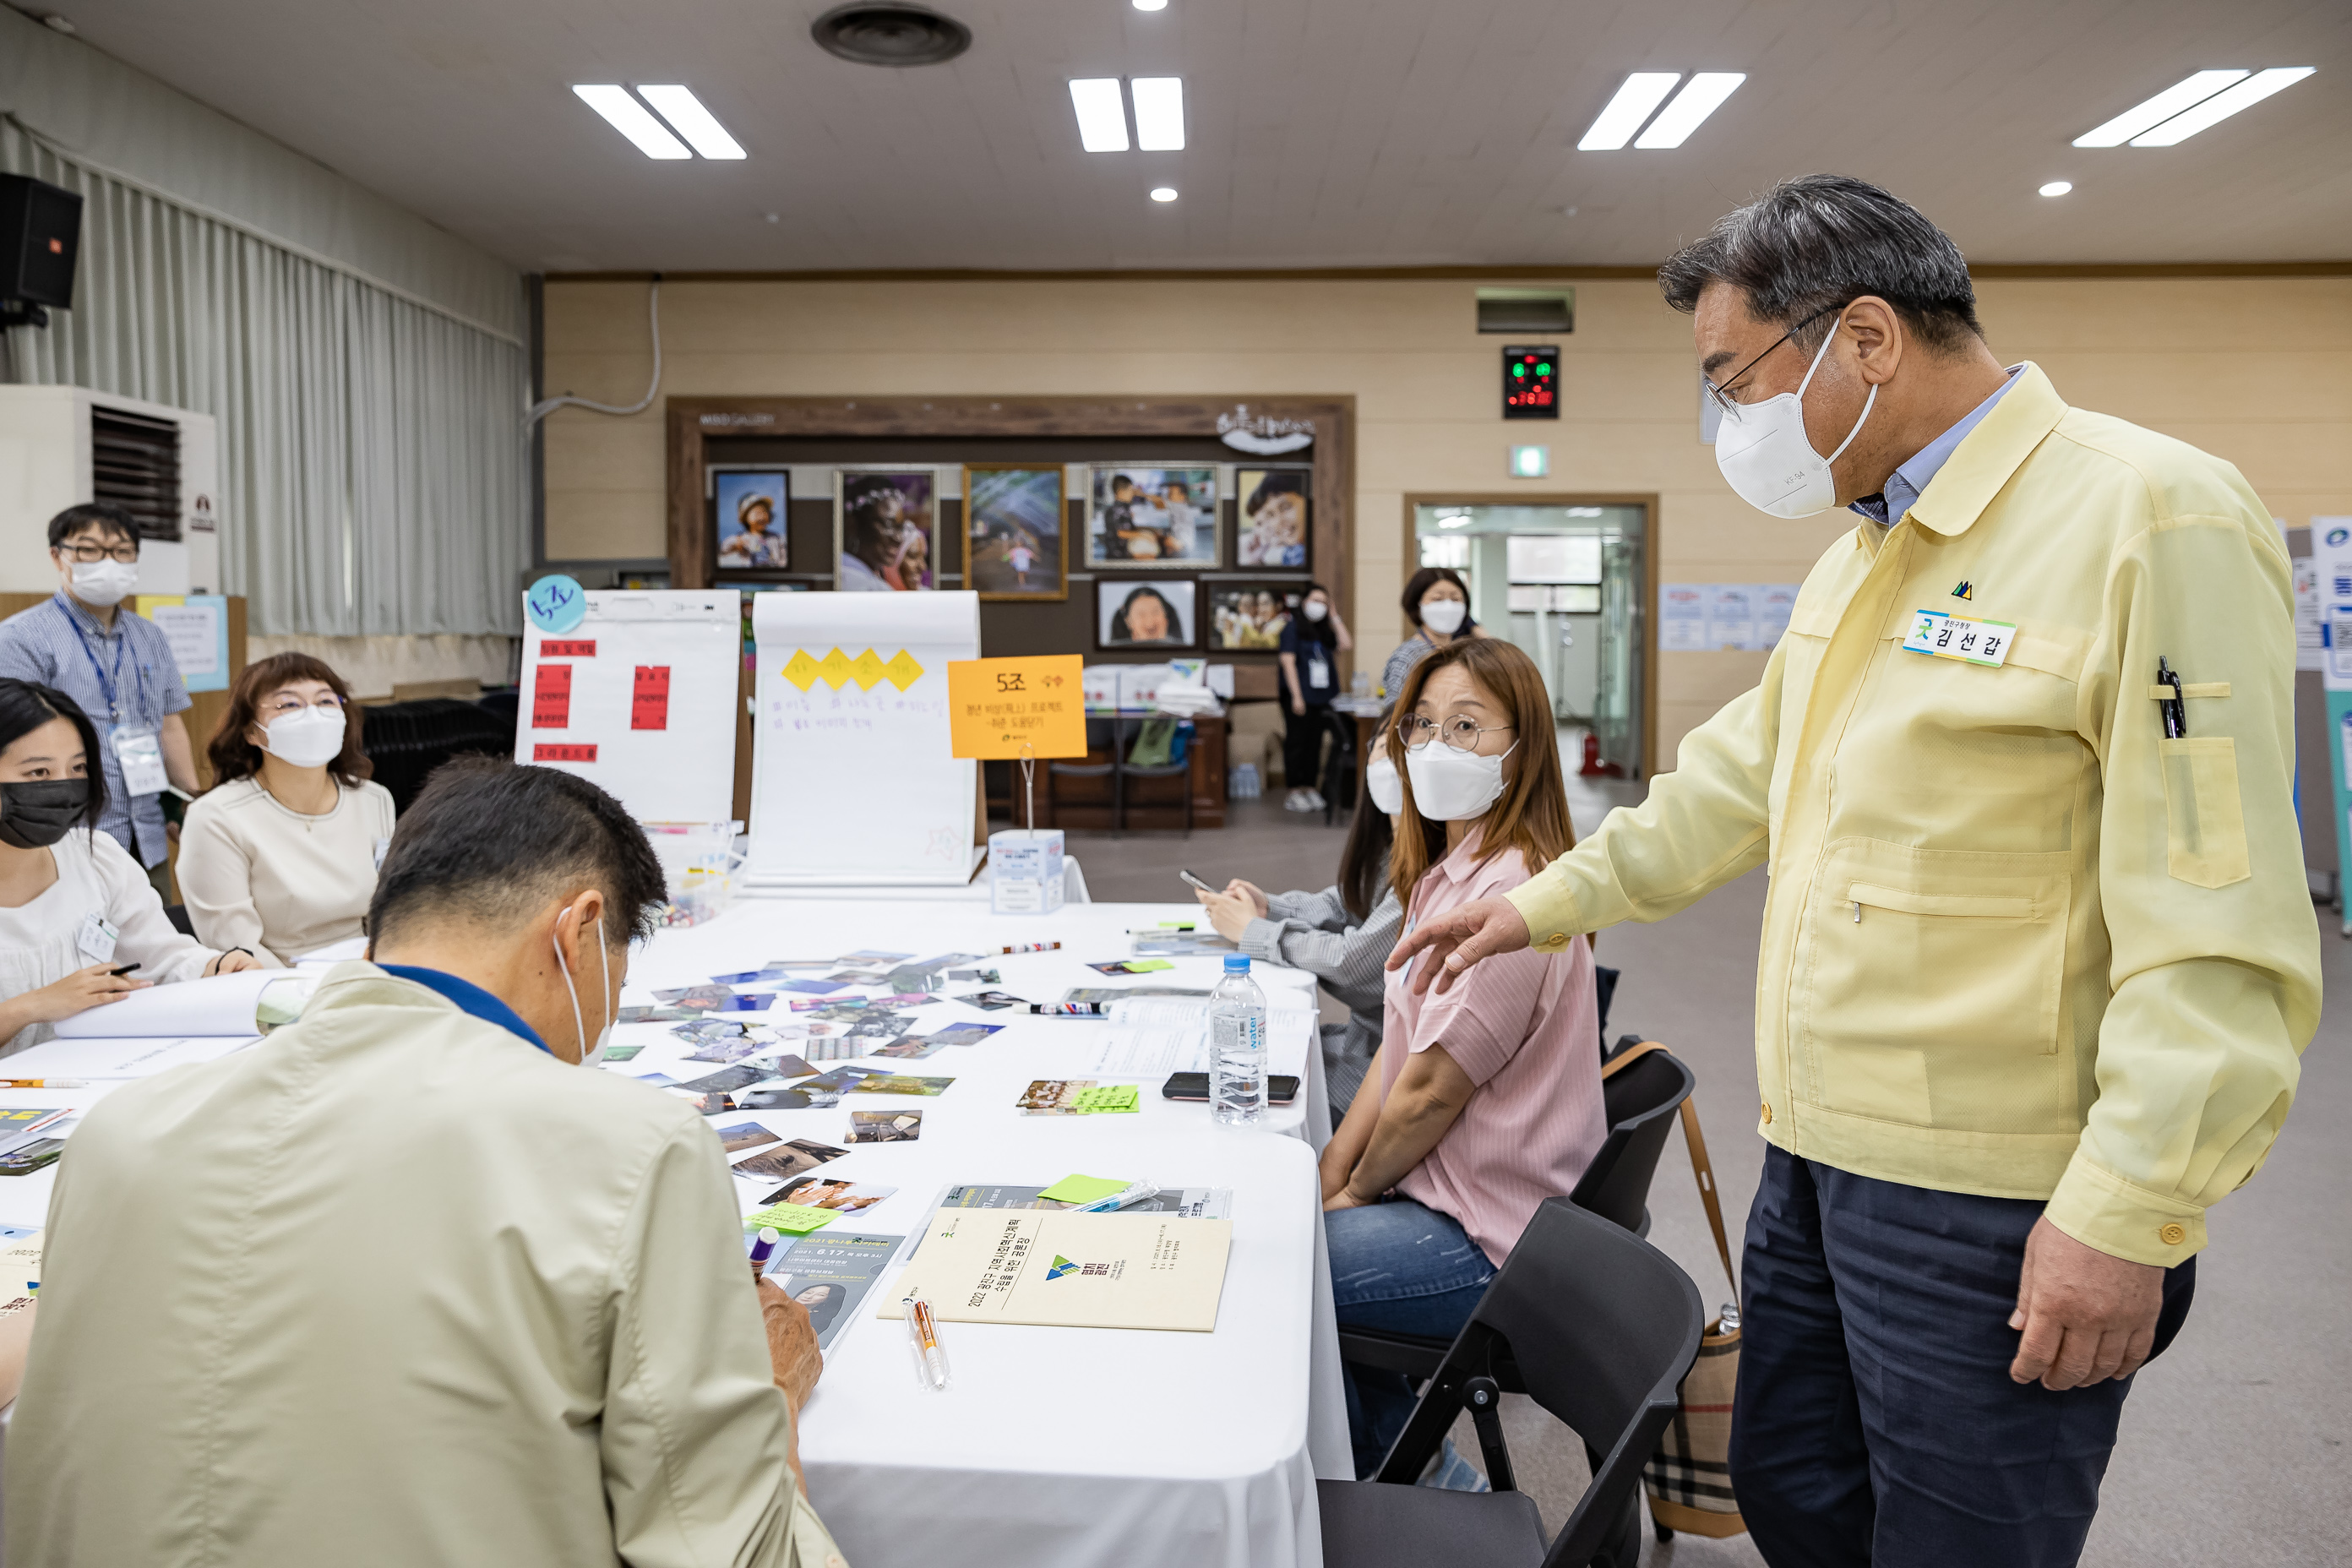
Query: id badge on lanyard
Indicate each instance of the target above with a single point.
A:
(140, 752)
(1319, 671)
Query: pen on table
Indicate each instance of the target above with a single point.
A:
(2176, 712)
(125, 969)
(1070, 1009)
(44, 1083)
(923, 1341)
(763, 1250)
(1031, 947)
(1120, 1200)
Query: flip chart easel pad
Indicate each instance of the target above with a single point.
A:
(852, 775)
(683, 770)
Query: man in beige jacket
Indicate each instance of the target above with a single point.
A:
(402, 1284)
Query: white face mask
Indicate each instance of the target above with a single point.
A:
(1443, 615)
(589, 1054)
(307, 737)
(1381, 783)
(104, 583)
(1453, 787)
(1767, 458)
(1316, 609)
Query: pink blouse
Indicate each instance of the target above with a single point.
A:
(1524, 1026)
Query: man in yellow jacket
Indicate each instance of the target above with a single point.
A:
(2038, 957)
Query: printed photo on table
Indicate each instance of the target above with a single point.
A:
(1250, 620)
(1152, 517)
(749, 510)
(1273, 526)
(837, 1193)
(886, 535)
(1144, 615)
(1014, 544)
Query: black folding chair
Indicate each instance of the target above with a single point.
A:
(1128, 769)
(1100, 733)
(1601, 1326)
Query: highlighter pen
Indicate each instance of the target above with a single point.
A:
(1120, 1200)
(44, 1083)
(1031, 947)
(1070, 1009)
(923, 1343)
(763, 1250)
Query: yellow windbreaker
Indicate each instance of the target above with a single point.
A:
(2017, 942)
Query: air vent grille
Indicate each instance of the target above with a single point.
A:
(890, 34)
(136, 465)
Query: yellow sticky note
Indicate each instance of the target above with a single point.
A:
(834, 667)
(1105, 1098)
(792, 1219)
(999, 707)
(866, 669)
(802, 670)
(1082, 1189)
(902, 671)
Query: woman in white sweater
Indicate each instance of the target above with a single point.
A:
(79, 923)
(279, 855)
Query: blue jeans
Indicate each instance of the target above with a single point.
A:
(1408, 1270)
(1875, 1420)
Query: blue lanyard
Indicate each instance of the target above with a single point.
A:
(105, 685)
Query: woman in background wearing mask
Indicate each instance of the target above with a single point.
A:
(279, 855)
(78, 924)
(1312, 641)
(1484, 1101)
(1341, 935)
(1437, 601)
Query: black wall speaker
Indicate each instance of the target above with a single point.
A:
(40, 235)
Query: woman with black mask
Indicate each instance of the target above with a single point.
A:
(79, 923)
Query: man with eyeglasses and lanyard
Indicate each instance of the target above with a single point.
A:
(118, 664)
(2038, 958)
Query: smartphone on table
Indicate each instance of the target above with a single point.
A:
(1281, 1088)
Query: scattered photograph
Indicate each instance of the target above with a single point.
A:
(1155, 517)
(652, 1014)
(840, 1048)
(838, 1194)
(813, 987)
(749, 511)
(696, 997)
(870, 956)
(619, 1053)
(725, 1051)
(742, 1075)
(1144, 615)
(1273, 530)
(976, 976)
(884, 1127)
(1250, 620)
(796, 1158)
(991, 1001)
(1053, 1097)
(964, 1033)
(830, 1274)
(1015, 547)
(885, 532)
(1120, 994)
(790, 1067)
(899, 1083)
(744, 1135)
(748, 977)
(914, 1047)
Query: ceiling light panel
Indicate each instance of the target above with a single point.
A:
(1102, 115)
(630, 118)
(1159, 113)
(690, 120)
(2157, 109)
(2221, 105)
(1700, 97)
(1643, 92)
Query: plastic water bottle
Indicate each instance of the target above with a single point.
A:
(1237, 1036)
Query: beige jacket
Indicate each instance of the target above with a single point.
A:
(396, 1286)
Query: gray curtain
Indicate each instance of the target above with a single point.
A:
(373, 465)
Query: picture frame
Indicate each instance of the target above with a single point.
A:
(1016, 543)
(1248, 618)
(1274, 520)
(1141, 516)
(1124, 608)
(886, 529)
(749, 516)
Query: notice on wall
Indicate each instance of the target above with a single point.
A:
(1682, 617)
(1724, 618)
(649, 702)
(551, 698)
(196, 628)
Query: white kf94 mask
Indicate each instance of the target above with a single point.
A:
(1453, 787)
(1766, 456)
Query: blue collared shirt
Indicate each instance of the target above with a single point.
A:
(469, 997)
(1906, 484)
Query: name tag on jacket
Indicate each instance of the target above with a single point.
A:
(1944, 635)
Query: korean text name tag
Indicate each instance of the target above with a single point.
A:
(1946, 636)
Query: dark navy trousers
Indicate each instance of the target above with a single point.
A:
(1875, 1421)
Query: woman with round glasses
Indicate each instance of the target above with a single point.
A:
(1483, 1103)
(279, 855)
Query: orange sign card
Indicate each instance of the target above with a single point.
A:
(997, 706)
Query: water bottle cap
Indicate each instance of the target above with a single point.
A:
(1237, 960)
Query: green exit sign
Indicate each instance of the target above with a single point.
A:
(1531, 383)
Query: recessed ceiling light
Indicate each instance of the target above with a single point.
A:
(1159, 113)
(2221, 105)
(2057, 187)
(1102, 117)
(2157, 109)
(1698, 99)
(1163, 193)
(1151, 5)
(690, 120)
(631, 118)
(1643, 92)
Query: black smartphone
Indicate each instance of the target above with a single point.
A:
(1196, 881)
(40, 1154)
(1280, 1090)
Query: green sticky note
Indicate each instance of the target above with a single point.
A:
(1146, 965)
(1105, 1097)
(1082, 1189)
(792, 1219)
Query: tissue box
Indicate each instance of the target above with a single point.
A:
(1025, 871)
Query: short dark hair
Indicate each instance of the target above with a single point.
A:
(1429, 577)
(1809, 245)
(91, 515)
(488, 840)
(27, 705)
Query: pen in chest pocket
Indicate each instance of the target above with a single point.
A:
(2174, 710)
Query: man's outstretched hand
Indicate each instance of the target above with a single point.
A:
(1458, 938)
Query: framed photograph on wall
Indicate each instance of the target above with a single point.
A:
(886, 531)
(1016, 546)
(748, 509)
(1139, 515)
(1273, 517)
(1153, 614)
(1248, 618)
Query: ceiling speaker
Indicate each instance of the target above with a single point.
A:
(890, 34)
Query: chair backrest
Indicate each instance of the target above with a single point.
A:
(1640, 1101)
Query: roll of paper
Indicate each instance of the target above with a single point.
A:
(224, 1005)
